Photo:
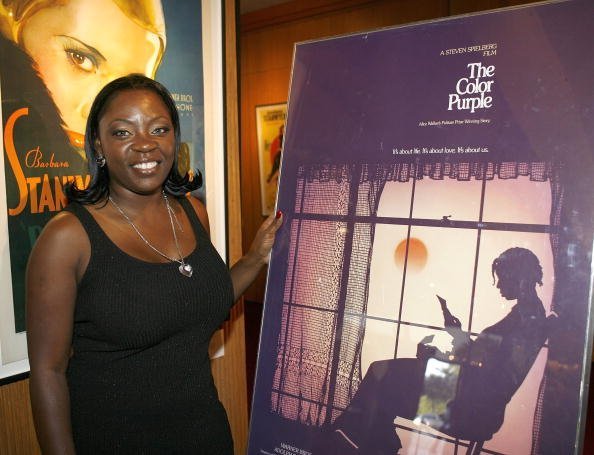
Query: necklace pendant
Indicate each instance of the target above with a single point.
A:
(186, 270)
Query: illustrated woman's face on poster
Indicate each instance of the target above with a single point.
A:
(78, 46)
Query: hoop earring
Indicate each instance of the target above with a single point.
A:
(100, 160)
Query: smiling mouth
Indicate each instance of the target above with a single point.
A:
(145, 166)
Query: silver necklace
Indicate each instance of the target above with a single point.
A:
(184, 268)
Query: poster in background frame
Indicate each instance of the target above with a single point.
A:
(190, 68)
(414, 157)
(270, 126)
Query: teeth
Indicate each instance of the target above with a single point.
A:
(148, 165)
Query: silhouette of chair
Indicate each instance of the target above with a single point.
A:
(475, 424)
(475, 445)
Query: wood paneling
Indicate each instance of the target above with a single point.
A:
(466, 6)
(229, 370)
(294, 10)
(17, 434)
(229, 375)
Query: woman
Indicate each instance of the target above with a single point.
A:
(124, 290)
(78, 46)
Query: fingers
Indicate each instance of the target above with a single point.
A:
(273, 222)
(276, 223)
(278, 219)
(268, 221)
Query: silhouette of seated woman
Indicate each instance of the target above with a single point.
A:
(493, 366)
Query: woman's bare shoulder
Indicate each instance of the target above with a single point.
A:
(64, 226)
(63, 239)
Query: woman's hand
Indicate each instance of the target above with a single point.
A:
(262, 244)
(244, 272)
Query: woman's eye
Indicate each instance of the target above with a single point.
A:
(120, 133)
(161, 130)
(81, 60)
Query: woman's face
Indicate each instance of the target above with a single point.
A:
(137, 139)
(509, 285)
(80, 47)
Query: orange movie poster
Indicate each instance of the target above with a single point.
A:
(270, 123)
(55, 56)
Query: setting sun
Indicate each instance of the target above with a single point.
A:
(417, 254)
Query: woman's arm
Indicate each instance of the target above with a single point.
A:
(244, 271)
(55, 266)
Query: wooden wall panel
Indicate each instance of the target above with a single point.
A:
(471, 6)
(17, 434)
(229, 375)
(229, 370)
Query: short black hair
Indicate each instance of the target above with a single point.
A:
(519, 262)
(98, 189)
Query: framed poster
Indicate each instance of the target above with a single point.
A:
(431, 288)
(44, 113)
(270, 124)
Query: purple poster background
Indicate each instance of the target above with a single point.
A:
(417, 160)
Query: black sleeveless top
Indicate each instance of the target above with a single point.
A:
(139, 377)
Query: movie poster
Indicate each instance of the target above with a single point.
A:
(270, 125)
(430, 290)
(54, 60)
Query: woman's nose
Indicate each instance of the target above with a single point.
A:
(144, 143)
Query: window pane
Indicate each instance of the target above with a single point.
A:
(378, 344)
(458, 200)
(517, 200)
(385, 280)
(447, 272)
(395, 200)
